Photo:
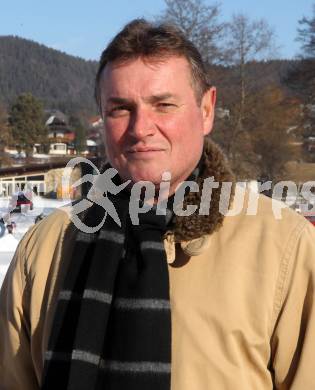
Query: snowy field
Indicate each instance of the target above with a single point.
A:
(23, 221)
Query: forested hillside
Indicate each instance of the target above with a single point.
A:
(65, 82)
(58, 79)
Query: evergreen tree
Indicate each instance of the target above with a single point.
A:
(5, 137)
(26, 119)
(79, 128)
(306, 35)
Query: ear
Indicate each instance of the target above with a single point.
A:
(207, 108)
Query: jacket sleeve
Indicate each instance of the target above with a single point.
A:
(16, 367)
(293, 339)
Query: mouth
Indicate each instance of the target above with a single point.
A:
(144, 149)
(143, 152)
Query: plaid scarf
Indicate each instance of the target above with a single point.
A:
(112, 325)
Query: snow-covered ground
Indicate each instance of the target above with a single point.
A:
(23, 221)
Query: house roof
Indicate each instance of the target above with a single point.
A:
(90, 142)
(95, 120)
(56, 116)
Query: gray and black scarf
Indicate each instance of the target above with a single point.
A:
(112, 326)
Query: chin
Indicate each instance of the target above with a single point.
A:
(143, 170)
(151, 178)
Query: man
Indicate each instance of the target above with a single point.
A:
(198, 302)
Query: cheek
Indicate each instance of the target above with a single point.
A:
(112, 149)
(187, 141)
(113, 137)
(185, 132)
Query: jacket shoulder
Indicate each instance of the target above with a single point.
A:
(45, 242)
(263, 216)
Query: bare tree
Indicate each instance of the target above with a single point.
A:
(301, 79)
(246, 41)
(200, 23)
(271, 139)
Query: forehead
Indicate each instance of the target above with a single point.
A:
(147, 76)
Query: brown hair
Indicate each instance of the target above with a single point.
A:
(140, 38)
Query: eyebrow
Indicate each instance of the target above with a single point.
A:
(151, 99)
(158, 98)
(117, 100)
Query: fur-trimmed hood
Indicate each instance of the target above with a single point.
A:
(214, 164)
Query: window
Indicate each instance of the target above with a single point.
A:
(59, 147)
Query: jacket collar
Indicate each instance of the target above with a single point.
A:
(212, 164)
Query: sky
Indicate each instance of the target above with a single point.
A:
(83, 28)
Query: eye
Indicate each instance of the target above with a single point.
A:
(118, 111)
(166, 106)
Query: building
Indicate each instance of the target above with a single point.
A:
(95, 145)
(61, 138)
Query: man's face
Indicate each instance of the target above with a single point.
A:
(152, 120)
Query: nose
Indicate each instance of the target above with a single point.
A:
(142, 124)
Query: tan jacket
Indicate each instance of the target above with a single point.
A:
(242, 299)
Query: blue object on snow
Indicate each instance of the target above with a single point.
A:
(2, 229)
